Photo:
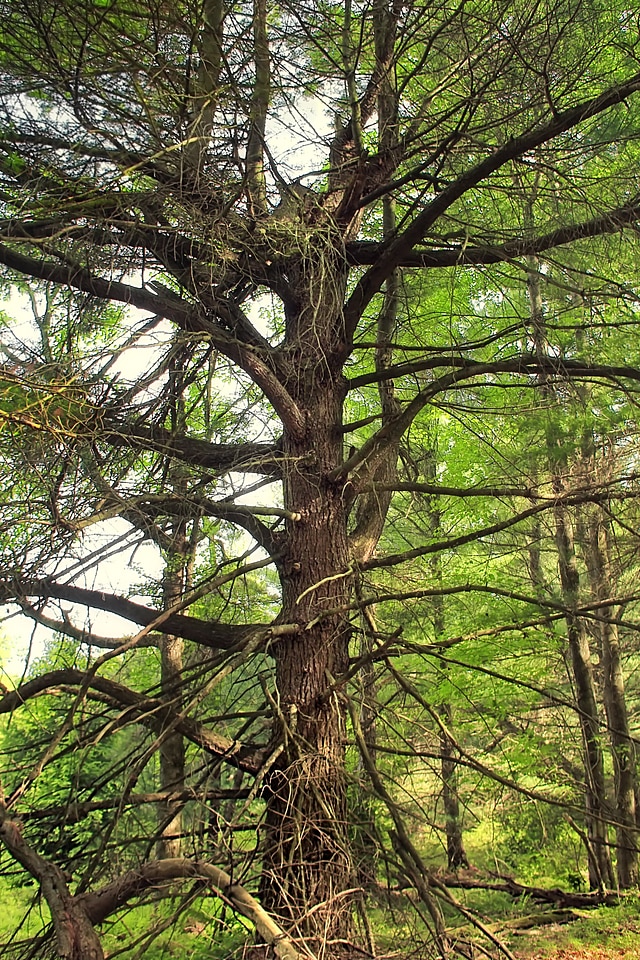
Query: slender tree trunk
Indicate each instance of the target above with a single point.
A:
(172, 749)
(365, 814)
(622, 746)
(172, 752)
(456, 853)
(600, 870)
(599, 858)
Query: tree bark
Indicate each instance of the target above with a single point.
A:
(456, 853)
(172, 752)
(600, 870)
(306, 860)
(622, 745)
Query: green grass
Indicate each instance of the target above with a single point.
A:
(608, 928)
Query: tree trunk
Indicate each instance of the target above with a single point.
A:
(306, 859)
(456, 853)
(172, 747)
(599, 858)
(365, 815)
(622, 746)
(600, 870)
(172, 750)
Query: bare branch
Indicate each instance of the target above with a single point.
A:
(152, 712)
(111, 898)
(216, 635)
(397, 249)
(365, 252)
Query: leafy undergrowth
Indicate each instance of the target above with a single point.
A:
(609, 933)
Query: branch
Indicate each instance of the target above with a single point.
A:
(523, 363)
(82, 279)
(540, 894)
(450, 544)
(74, 812)
(186, 316)
(586, 610)
(528, 493)
(366, 252)
(260, 458)
(215, 635)
(190, 505)
(102, 904)
(361, 465)
(397, 249)
(69, 629)
(76, 939)
(124, 159)
(152, 712)
(439, 490)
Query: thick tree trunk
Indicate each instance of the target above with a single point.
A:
(306, 854)
(306, 864)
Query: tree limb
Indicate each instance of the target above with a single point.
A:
(75, 937)
(366, 252)
(221, 457)
(215, 635)
(111, 898)
(402, 245)
(152, 712)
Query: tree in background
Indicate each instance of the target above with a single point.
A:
(263, 185)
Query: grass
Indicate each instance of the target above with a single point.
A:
(604, 932)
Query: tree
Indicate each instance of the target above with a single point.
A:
(145, 165)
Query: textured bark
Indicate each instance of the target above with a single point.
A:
(306, 855)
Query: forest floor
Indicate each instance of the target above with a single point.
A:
(582, 953)
(604, 934)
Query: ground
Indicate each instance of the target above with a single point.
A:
(606, 934)
(586, 953)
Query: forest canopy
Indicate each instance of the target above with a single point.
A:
(319, 361)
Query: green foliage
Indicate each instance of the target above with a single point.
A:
(417, 333)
